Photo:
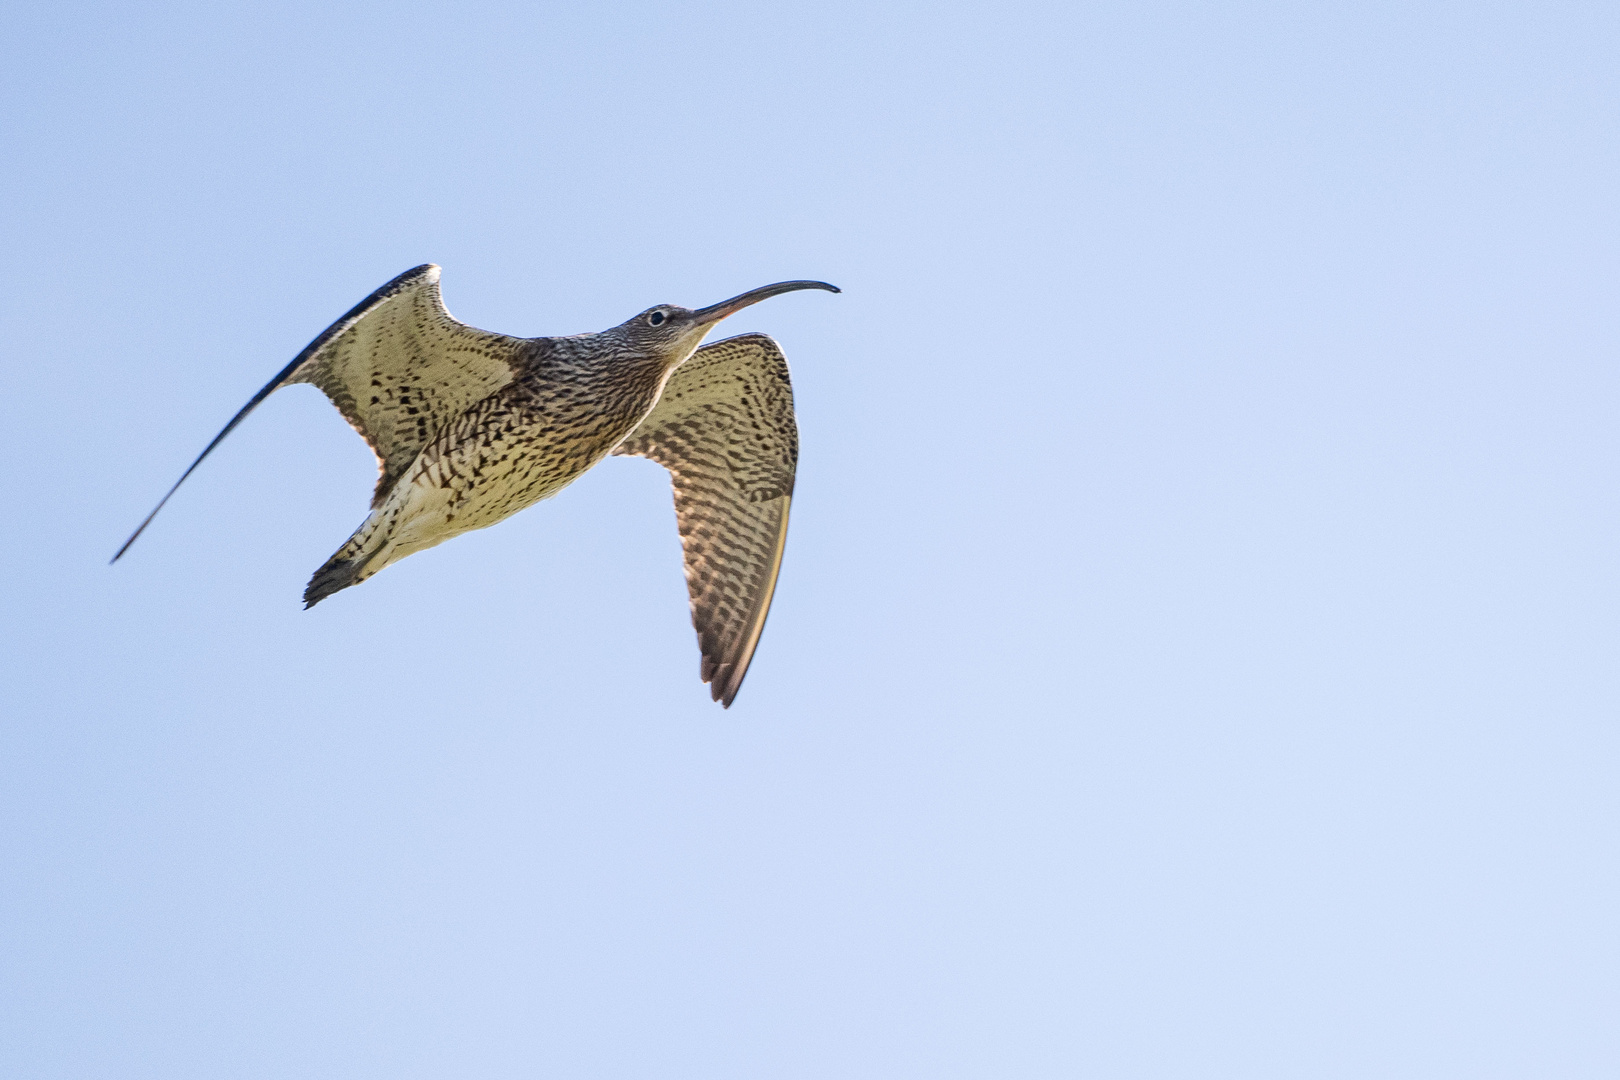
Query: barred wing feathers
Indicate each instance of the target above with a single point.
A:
(724, 429)
(398, 367)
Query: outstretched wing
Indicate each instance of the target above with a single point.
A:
(724, 429)
(398, 368)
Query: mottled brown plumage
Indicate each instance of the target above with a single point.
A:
(470, 427)
(724, 429)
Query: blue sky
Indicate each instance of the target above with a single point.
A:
(1195, 650)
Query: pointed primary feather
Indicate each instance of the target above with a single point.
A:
(724, 429)
(397, 366)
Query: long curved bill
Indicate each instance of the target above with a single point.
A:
(715, 312)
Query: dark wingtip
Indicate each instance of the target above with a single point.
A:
(718, 676)
(725, 685)
(142, 526)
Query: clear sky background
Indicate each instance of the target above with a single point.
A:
(1196, 649)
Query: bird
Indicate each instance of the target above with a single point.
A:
(469, 427)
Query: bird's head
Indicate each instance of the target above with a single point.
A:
(675, 332)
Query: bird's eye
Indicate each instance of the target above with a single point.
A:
(656, 318)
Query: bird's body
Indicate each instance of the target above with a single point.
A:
(570, 402)
(470, 427)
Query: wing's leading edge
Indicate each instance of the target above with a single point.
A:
(397, 366)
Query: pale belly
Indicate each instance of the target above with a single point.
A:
(483, 474)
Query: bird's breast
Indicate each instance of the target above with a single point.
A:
(527, 442)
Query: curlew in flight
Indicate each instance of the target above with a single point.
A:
(470, 427)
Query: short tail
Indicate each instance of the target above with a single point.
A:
(337, 574)
(343, 569)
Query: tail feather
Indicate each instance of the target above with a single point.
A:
(338, 573)
(373, 546)
(343, 569)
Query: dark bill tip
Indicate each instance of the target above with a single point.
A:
(716, 312)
